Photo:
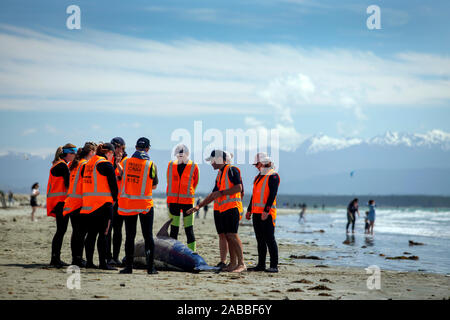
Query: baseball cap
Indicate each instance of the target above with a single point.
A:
(262, 157)
(118, 141)
(181, 149)
(109, 146)
(216, 155)
(143, 143)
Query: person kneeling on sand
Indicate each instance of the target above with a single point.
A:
(228, 191)
(263, 207)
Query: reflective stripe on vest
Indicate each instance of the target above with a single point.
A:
(92, 197)
(74, 186)
(142, 196)
(261, 204)
(94, 175)
(228, 198)
(169, 189)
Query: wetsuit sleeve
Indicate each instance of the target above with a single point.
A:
(196, 176)
(274, 181)
(62, 170)
(154, 174)
(234, 176)
(107, 169)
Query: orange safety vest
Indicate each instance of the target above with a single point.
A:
(96, 191)
(56, 190)
(260, 196)
(74, 198)
(216, 202)
(181, 190)
(227, 202)
(135, 196)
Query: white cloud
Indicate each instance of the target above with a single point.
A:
(29, 131)
(324, 142)
(149, 77)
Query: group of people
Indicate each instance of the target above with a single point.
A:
(353, 209)
(98, 187)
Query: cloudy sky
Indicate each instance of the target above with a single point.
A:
(147, 68)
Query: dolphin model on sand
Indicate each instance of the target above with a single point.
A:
(171, 254)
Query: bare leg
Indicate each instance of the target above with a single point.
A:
(223, 246)
(238, 250)
(231, 247)
(32, 213)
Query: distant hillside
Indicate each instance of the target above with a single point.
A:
(394, 164)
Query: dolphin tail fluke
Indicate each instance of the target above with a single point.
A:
(164, 231)
(206, 268)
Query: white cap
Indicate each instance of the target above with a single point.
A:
(263, 158)
(181, 149)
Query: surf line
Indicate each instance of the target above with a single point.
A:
(204, 311)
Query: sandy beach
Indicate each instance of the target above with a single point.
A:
(25, 254)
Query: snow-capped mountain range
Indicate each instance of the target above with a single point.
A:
(393, 163)
(433, 138)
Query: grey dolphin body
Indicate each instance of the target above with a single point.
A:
(171, 254)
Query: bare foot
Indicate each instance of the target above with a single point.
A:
(240, 268)
(230, 267)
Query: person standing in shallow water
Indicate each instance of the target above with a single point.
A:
(352, 209)
(371, 215)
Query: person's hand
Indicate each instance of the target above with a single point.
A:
(248, 215)
(107, 228)
(264, 215)
(216, 194)
(192, 210)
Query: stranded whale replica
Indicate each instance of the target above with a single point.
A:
(171, 254)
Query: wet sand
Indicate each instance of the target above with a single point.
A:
(25, 254)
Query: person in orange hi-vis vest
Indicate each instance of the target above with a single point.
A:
(74, 201)
(182, 180)
(57, 186)
(263, 207)
(115, 232)
(223, 244)
(99, 194)
(139, 179)
(228, 191)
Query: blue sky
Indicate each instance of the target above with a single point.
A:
(146, 68)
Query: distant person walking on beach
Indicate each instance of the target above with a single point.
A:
(205, 210)
(352, 209)
(33, 199)
(302, 213)
(263, 206)
(57, 186)
(371, 216)
(10, 198)
(228, 192)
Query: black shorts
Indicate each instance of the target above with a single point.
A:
(33, 202)
(227, 221)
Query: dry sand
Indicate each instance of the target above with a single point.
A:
(25, 254)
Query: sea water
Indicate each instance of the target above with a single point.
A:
(393, 229)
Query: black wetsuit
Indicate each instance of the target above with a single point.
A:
(351, 215)
(60, 170)
(98, 219)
